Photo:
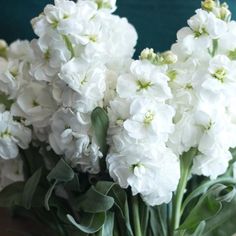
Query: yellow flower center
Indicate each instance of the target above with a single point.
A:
(148, 118)
(220, 74)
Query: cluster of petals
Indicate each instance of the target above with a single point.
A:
(140, 125)
(55, 81)
(203, 83)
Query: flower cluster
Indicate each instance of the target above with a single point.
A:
(159, 106)
(203, 83)
(140, 124)
(57, 80)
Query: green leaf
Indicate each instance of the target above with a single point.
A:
(90, 223)
(224, 223)
(104, 187)
(204, 187)
(209, 205)
(93, 202)
(32, 159)
(62, 172)
(120, 198)
(108, 226)
(74, 184)
(144, 216)
(157, 220)
(206, 208)
(100, 123)
(49, 194)
(199, 230)
(12, 195)
(30, 188)
(121, 203)
(154, 221)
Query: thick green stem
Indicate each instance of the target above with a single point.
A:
(178, 199)
(136, 217)
(185, 168)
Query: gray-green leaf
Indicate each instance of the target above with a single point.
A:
(62, 172)
(93, 202)
(30, 188)
(100, 123)
(90, 223)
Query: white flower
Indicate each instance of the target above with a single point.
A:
(20, 50)
(48, 57)
(71, 136)
(151, 171)
(144, 79)
(149, 120)
(10, 171)
(35, 104)
(206, 23)
(118, 112)
(118, 48)
(227, 43)
(56, 17)
(87, 155)
(197, 39)
(186, 134)
(86, 80)
(12, 135)
(14, 71)
(212, 165)
(13, 76)
(220, 79)
(66, 127)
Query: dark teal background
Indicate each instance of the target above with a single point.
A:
(156, 21)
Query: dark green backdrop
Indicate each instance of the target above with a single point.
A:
(155, 20)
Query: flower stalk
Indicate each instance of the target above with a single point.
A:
(185, 168)
(136, 216)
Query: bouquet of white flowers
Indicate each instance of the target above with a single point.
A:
(93, 142)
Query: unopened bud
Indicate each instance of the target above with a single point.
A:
(225, 13)
(3, 48)
(147, 54)
(106, 4)
(169, 57)
(208, 5)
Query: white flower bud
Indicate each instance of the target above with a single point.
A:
(225, 13)
(169, 57)
(3, 48)
(208, 5)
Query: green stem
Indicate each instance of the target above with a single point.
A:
(136, 218)
(185, 168)
(162, 224)
(178, 199)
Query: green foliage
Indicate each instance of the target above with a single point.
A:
(62, 172)
(30, 188)
(208, 206)
(70, 204)
(93, 202)
(90, 223)
(100, 123)
(108, 226)
(224, 223)
(12, 195)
